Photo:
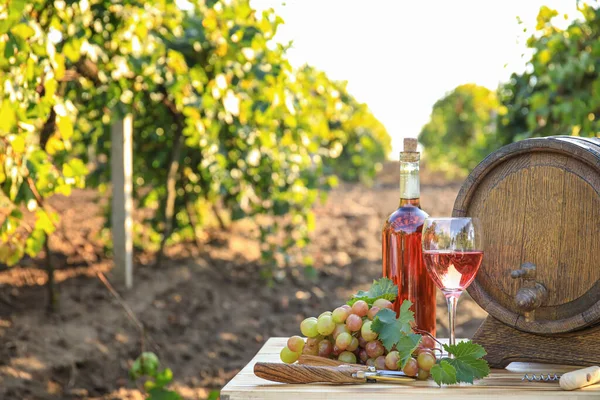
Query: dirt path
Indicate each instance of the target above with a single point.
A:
(207, 313)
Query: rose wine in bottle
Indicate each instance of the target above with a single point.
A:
(401, 244)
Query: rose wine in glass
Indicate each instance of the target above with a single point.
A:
(452, 251)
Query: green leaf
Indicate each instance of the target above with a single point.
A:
(469, 368)
(405, 346)
(8, 118)
(11, 46)
(391, 329)
(443, 373)
(22, 30)
(466, 349)
(65, 126)
(72, 50)
(383, 288)
(18, 144)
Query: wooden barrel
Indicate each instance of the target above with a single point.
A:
(538, 201)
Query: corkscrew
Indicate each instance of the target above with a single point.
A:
(541, 378)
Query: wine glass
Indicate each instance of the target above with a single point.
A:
(452, 251)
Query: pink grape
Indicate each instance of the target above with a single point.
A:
(325, 348)
(339, 315)
(353, 344)
(343, 340)
(336, 351)
(360, 308)
(362, 342)
(428, 342)
(372, 312)
(311, 350)
(383, 303)
(425, 361)
(370, 362)
(367, 333)
(380, 362)
(347, 308)
(340, 328)
(295, 344)
(391, 360)
(362, 355)
(374, 349)
(347, 357)
(422, 375)
(411, 368)
(314, 341)
(354, 322)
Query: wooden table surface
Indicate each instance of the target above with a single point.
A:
(500, 384)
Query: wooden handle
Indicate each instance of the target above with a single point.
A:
(580, 378)
(296, 373)
(307, 359)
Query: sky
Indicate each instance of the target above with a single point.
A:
(400, 56)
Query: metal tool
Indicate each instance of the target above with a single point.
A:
(373, 375)
(541, 378)
(571, 380)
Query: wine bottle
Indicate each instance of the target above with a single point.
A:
(401, 244)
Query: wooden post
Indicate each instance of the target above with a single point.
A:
(122, 203)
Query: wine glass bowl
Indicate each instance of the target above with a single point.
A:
(452, 251)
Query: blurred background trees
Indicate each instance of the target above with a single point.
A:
(557, 94)
(224, 127)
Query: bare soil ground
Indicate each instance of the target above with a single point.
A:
(207, 311)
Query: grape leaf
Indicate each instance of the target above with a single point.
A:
(469, 368)
(467, 361)
(443, 373)
(405, 346)
(383, 288)
(392, 329)
(466, 349)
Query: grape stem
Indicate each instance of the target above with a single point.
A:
(422, 332)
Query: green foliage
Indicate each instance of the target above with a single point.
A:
(465, 366)
(147, 366)
(461, 129)
(391, 329)
(383, 288)
(220, 117)
(559, 92)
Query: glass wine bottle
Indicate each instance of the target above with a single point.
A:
(401, 244)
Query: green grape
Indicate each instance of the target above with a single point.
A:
(288, 356)
(325, 313)
(391, 360)
(339, 328)
(343, 340)
(347, 308)
(311, 350)
(411, 368)
(295, 344)
(425, 361)
(367, 333)
(360, 308)
(422, 375)
(339, 315)
(370, 362)
(347, 357)
(308, 327)
(353, 344)
(383, 303)
(325, 325)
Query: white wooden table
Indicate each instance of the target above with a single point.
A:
(501, 384)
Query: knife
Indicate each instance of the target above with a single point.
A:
(302, 373)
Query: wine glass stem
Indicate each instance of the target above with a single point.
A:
(452, 300)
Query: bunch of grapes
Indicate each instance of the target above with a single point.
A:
(345, 335)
